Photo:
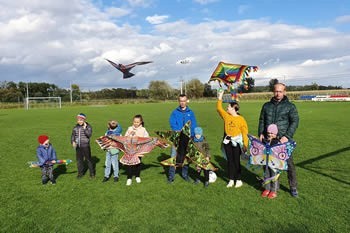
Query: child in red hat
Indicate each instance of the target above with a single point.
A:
(46, 154)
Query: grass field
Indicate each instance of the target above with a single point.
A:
(322, 161)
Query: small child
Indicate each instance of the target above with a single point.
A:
(80, 140)
(272, 187)
(136, 130)
(45, 154)
(112, 155)
(203, 146)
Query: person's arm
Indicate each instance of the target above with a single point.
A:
(173, 122)
(219, 108)
(88, 129)
(40, 156)
(244, 131)
(145, 134)
(293, 118)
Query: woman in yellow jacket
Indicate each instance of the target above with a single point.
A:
(235, 139)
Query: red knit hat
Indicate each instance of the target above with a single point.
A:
(42, 139)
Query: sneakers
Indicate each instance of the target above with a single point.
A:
(53, 181)
(230, 184)
(272, 195)
(265, 193)
(138, 180)
(79, 176)
(44, 181)
(128, 182)
(105, 179)
(197, 181)
(294, 192)
(186, 178)
(116, 179)
(170, 181)
(206, 184)
(239, 183)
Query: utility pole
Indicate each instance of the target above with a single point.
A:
(71, 92)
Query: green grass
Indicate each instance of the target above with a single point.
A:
(322, 161)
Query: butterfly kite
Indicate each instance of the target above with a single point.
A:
(125, 69)
(274, 156)
(58, 161)
(133, 147)
(234, 77)
(186, 149)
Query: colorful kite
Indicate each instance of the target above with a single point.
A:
(234, 77)
(126, 68)
(184, 155)
(275, 156)
(133, 147)
(58, 161)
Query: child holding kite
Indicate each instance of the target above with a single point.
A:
(235, 139)
(271, 187)
(203, 146)
(112, 154)
(136, 130)
(46, 155)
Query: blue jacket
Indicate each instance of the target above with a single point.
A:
(45, 154)
(178, 119)
(117, 131)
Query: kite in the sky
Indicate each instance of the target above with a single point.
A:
(275, 156)
(184, 155)
(57, 161)
(133, 147)
(125, 69)
(234, 77)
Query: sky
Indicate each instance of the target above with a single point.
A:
(67, 41)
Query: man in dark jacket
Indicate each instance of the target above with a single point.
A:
(284, 114)
(80, 140)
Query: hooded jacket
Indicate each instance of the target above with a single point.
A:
(283, 113)
(45, 154)
(179, 117)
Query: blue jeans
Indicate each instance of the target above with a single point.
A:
(172, 170)
(112, 161)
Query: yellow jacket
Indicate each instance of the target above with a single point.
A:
(234, 125)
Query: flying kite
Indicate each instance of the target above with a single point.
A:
(133, 147)
(58, 161)
(275, 156)
(234, 77)
(125, 69)
(185, 153)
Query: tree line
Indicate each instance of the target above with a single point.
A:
(161, 90)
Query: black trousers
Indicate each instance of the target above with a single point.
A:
(292, 175)
(81, 154)
(233, 154)
(206, 174)
(133, 170)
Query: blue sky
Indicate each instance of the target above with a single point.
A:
(299, 42)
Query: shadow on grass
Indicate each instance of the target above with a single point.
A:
(60, 170)
(305, 163)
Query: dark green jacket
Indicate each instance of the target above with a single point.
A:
(284, 114)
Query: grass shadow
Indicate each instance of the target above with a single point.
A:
(305, 164)
(60, 170)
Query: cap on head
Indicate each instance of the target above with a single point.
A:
(81, 116)
(272, 129)
(198, 130)
(42, 139)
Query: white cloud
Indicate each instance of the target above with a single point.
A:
(204, 2)
(115, 12)
(343, 19)
(157, 19)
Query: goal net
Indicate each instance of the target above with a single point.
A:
(42, 102)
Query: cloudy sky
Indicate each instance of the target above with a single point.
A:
(67, 41)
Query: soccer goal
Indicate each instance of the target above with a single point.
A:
(43, 102)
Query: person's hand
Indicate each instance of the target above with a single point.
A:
(284, 139)
(261, 137)
(53, 161)
(84, 125)
(207, 158)
(220, 93)
(244, 149)
(74, 144)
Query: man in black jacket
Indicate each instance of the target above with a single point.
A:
(284, 114)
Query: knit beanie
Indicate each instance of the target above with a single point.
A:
(42, 139)
(81, 116)
(198, 130)
(272, 129)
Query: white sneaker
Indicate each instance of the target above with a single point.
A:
(230, 184)
(239, 183)
(128, 182)
(138, 180)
